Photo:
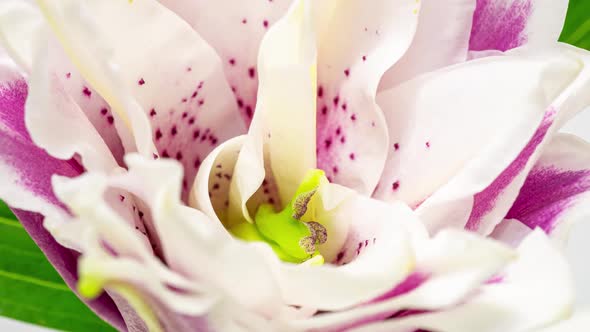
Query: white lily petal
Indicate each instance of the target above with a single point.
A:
(182, 229)
(49, 107)
(71, 23)
(210, 193)
(24, 27)
(234, 29)
(357, 42)
(283, 126)
(422, 112)
(385, 257)
(536, 290)
(447, 269)
(578, 322)
(442, 39)
(18, 19)
(491, 204)
(117, 251)
(170, 89)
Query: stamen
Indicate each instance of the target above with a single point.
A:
(292, 239)
(318, 231)
(300, 204)
(308, 243)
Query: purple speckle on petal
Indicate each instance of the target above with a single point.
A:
(86, 91)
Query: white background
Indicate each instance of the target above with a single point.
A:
(578, 248)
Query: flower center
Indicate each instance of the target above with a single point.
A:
(292, 233)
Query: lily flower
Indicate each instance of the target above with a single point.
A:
(299, 165)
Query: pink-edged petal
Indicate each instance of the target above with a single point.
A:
(535, 290)
(110, 242)
(559, 181)
(23, 28)
(95, 108)
(442, 39)
(555, 191)
(506, 24)
(234, 29)
(431, 116)
(200, 284)
(26, 184)
(491, 204)
(26, 169)
(53, 118)
(446, 270)
(358, 41)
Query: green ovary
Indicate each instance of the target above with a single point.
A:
(292, 239)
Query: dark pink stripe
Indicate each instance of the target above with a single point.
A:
(411, 282)
(34, 166)
(484, 201)
(546, 194)
(35, 169)
(499, 27)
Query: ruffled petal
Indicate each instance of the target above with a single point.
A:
(442, 39)
(447, 269)
(506, 24)
(114, 252)
(578, 322)
(234, 30)
(199, 284)
(555, 192)
(372, 243)
(424, 114)
(492, 204)
(53, 118)
(358, 41)
(18, 19)
(534, 291)
(181, 91)
(26, 184)
(280, 143)
(24, 28)
(26, 169)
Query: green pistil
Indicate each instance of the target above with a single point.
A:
(292, 239)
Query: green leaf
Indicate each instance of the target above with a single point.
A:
(30, 288)
(576, 30)
(5, 211)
